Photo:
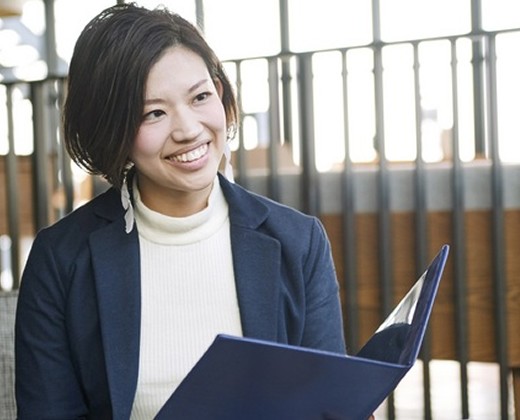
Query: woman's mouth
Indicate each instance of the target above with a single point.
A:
(192, 155)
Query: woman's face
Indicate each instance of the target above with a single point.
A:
(180, 142)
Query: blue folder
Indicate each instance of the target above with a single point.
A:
(242, 378)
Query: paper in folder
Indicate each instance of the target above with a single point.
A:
(241, 378)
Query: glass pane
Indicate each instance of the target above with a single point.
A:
(465, 100)
(67, 29)
(254, 92)
(238, 28)
(329, 24)
(328, 110)
(22, 121)
(413, 19)
(185, 8)
(508, 92)
(4, 143)
(436, 99)
(500, 14)
(399, 103)
(21, 47)
(254, 95)
(361, 105)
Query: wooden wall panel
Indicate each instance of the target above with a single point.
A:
(25, 196)
(479, 278)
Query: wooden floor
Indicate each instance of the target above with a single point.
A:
(483, 388)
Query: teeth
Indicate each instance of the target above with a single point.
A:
(191, 155)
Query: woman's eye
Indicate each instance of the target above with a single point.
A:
(156, 113)
(202, 96)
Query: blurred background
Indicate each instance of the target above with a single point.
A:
(394, 121)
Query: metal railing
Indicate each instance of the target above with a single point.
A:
(291, 118)
(486, 143)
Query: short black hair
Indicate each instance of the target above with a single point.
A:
(107, 81)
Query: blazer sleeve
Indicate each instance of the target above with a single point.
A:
(46, 384)
(323, 319)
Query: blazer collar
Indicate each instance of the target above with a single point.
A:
(256, 260)
(115, 261)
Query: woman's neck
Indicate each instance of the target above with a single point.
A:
(175, 203)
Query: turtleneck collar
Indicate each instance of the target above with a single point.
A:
(168, 230)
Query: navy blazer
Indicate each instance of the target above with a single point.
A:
(78, 315)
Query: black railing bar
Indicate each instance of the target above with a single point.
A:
(383, 194)
(421, 228)
(284, 25)
(55, 151)
(285, 56)
(350, 281)
(51, 54)
(287, 100)
(67, 181)
(459, 248)
(40, 156)
(28, 82)
(377, 44)
(240, 153)
(498, 241)
(12, 191)
(309, 177)
(383, 190)
(286, 71)
(200, 15)
(274, 129)
(479, 100)
(421, 224)
(477, 63)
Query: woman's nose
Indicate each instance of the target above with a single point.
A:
(185, 126)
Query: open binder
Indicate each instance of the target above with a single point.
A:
(242, 378)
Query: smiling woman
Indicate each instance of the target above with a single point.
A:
(174, 253)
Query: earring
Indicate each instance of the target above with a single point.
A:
(231, 131)
(127, 205)
(228, 169)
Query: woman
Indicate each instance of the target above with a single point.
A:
(119, 299)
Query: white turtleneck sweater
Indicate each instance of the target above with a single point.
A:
(188, 295)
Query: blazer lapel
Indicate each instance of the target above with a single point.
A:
(256, 261)
(115, 257)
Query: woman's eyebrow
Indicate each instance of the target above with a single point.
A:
(197, 85)
(152, 101)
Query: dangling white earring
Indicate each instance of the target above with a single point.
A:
(228, 169)
(231, 131)
(127, 205)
